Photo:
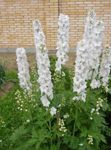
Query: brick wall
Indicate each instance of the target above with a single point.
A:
(16, 18)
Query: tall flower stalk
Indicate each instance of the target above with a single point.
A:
(43, 64)
(81, 69)
(88, 54)
(83, 56)
(105, 66)
(62, 41)
(88, 36)
(96, 53)
(23, 69)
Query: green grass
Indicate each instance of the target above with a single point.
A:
(8, 114)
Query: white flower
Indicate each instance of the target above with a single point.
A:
(66, 116)
(90, 139)
(43, 64)
(95, 84)
(94, 36)
(81, 69)
(27, 120)
(63, 41)
(89, 24)
(96, 52)
(92, 110)
(45, 101)
(88, 53)
(62, 127)
(81, 144)
(83, 59)
(97, 49)
(23, 69)
(105, 67)
(53, 111)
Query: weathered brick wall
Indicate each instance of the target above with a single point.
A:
(16, 18)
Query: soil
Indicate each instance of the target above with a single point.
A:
(6, 88)
(9, 60)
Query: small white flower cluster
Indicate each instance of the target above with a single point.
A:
(96, 110)
(23, 69)
(90, 139)
(99, 105)
(23, 100)
(62, 127)
(62, 41)
(66, 116)
(43, 63)
(95, 84)
(20, 101)
(53, 111)
(105, 66)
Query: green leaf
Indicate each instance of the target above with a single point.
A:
(54, 147)
(18, 133)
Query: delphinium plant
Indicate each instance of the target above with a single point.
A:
(59, 111)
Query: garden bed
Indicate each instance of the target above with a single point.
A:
(6, 88)
(9, 60)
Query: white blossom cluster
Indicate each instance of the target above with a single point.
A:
(105, 66)
(43, 64)
(53, 111)
(21, 104)
(89, 50)
(66, 116)
(96, 53)
(96, 110)
(23, 69)
(90, 139)
(62, 41)
(81, 68)
(62, 127)
(94, 36)
(83, 60)
(88, 36)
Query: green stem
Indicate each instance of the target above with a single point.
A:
(74, 126)
(51, 134)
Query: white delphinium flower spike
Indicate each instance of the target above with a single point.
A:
(81, 69)
(62, 41)
(94, 36)
(53, 111)
(96, 53)
(23, 69)
(83, 60)
(43, 64)
(88, 36)
(89, 25)
(105, 66)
